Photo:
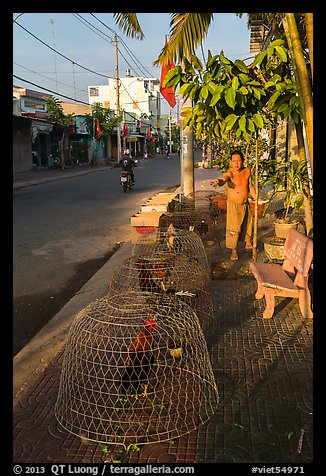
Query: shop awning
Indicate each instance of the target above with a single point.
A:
(40, 128)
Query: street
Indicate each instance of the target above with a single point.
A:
(64, 231)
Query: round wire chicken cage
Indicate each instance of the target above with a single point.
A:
(181, 242)
(168, 274)
(135, 370)
(201, 202)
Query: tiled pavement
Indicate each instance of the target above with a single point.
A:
(263, 370)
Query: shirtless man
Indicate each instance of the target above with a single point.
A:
(238, 215)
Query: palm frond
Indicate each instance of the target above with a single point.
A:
(128, 23)
(187, 30)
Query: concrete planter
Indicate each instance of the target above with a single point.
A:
(282, 229)
(273, 246)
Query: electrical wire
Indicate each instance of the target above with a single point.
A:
(50, 91)
(83, 67)
(60, 54)
(76, 100)
(47, 77)
(131, 54)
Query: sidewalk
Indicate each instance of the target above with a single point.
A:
(263, 370)
(43, 175)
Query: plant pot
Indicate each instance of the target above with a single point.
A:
(219, 200)
(261, 207)
(282, 229)
(273, 246)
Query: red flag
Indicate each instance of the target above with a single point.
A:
(167, 93)
(125, 130)
(98, 129)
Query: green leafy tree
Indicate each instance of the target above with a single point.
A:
(187, 30)
(63, 122)
(107, 121)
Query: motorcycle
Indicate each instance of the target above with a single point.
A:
(125, 181)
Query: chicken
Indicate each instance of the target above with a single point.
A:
(170, 236)
(150, 275)
(202, 228)
(153, 276)
(173, 240)
(140, 360)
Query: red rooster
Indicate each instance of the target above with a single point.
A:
(139, 362)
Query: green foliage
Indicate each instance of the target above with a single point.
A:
(56, 114)
(233, 98)
(295, 175)
(105, 116)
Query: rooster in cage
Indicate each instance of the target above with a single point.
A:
(150, 275)
(152, 278)
(173, 239)
(139, 363)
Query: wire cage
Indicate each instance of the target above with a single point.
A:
(200, 200)
(136, 370)
(168, 274)
(199, 221)
(175, 241)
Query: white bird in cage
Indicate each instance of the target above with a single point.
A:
(170, 236)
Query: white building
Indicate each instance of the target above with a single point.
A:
(138, 95)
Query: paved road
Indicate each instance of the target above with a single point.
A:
(65, 230)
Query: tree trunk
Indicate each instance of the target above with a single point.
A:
(255, 237)
(62, 151)
(302, 77)
(188, 162)
(306, 191)
(310, 39)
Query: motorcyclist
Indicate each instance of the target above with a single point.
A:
(127, 164)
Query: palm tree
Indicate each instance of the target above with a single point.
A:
(303, 80)
(275, 22)
(187, 30)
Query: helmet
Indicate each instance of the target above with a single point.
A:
(126, 152)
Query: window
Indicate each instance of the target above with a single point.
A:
(93, 91)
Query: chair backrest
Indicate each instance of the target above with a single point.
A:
(298, 249)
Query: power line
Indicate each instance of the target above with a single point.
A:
(48, 46)
(67, 97)
(50, 91)
(47, 77)
(131, 54)
(91, 27)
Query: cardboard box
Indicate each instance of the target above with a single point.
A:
(146, 219)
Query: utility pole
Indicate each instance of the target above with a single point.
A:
(187, 161)
(123, 129)
(55, 62)
(117, 80)
(170, 132)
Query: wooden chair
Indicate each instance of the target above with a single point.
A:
(289, 279)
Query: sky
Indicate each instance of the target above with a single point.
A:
(86, 41)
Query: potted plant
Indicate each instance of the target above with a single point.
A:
(273, 246)
(296, 174)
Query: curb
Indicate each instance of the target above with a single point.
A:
(37, 354)
(40, 350)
